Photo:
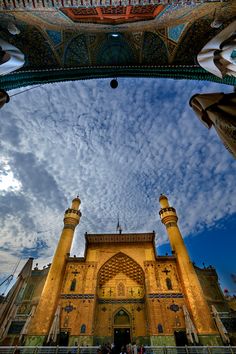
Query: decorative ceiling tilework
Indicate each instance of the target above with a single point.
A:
(165, 10)
(154, 49)
(55, 36)
(46, 4)
(113, 14)
(162, 31)
(76, 53)
(52, 17)
(174, 33)
(58, 48)
(115, 51)
(114, 10)
(171, 47)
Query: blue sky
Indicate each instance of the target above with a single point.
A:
(118, 149)
(215, 247)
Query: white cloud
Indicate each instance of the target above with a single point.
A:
(118, 149)
(7, 180)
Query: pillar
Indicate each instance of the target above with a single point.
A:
(43, 317)
(193, 291)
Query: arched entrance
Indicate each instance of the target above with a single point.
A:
(120, 308)
(122, 335)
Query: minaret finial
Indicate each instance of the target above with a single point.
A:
(118, 227)
(163, 201)
(75, 203)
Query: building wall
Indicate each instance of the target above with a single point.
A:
(149, 302)
(121, 276)
(164, 305)
(27, 298)
(211, 288)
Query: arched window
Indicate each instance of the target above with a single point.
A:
(83, 328)
(121, 289)
(169, 284)
(121, 318)
(160, 328)
(73, 285)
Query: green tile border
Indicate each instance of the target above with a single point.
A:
(35, 77)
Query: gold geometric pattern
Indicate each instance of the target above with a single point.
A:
(120, 289)
(120, 263)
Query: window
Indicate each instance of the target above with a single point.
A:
(83, 328)
(73, 285)
(16, 327)
(168, 284)
(160, 328)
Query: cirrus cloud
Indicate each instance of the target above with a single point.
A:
(118, 149)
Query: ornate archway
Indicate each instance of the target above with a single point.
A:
(121, 318)
(122, 328)
(120, 309)
(115, 51)
(120, 263)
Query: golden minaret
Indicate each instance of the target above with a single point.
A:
(192, 288)
(43, 317)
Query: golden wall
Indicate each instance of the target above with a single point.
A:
(121, 276)
(120, 283)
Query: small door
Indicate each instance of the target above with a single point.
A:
(64, 338)
(121, 338)
(181, 338)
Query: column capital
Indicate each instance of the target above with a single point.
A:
(167, 213)
(72, 215)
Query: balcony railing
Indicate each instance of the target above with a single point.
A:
(93, 350)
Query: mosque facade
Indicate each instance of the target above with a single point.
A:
(121, 291)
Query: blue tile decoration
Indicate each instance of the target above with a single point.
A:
(233, 55)
(174, 33)
(166, 9)
(55, 36)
